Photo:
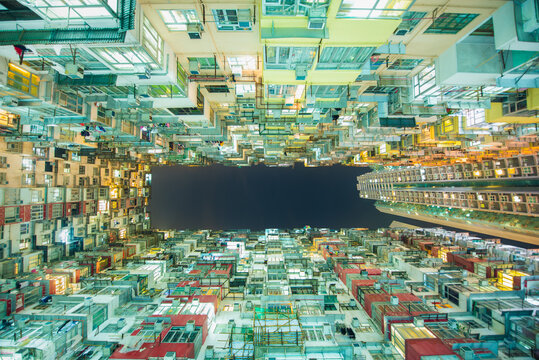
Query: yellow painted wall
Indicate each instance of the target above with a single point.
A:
(495, 115)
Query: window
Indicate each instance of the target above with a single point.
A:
(12, 214)
(25, 229)
(47, 225)
(327, 91)
(245, 88)
(291, 7)
(90, 194)
(37, 212)
(28, 179)
(425, 82)
(405, 64)
(55, 194)
(126, 58)
(67, 168)
(46, 239)
(27, 164)
(205, 63)
(82, 170)
(288, 57)
(217, 88)
(48, 180)
(239, 63)
(450, 23)
(57, 211)
(103, 192)
(152, 42)
(232, 19)
(75, 9)
(177, 20)
(350, 58)
(36, 196)
(410, 19)
(22, 80)
(372, 9)
(474, 117)
(3, 178)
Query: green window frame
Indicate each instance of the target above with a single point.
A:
(232, 19)
(450, 23)
(177, 20)
(343, 58)
(205, 63)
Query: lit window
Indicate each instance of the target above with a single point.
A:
(425, 83)
(126, 58)
(335, 58)
(291, 7)
(177, 20)
(243, 89)
(27, 164)
(288, 57)
(76, 9)
(152, 42)
(232, 19)
(243, 62)
(450, 23)
(474, 117)
(205, 63)
(372, 9)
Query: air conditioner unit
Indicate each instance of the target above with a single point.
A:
(147, 73)
(194, 31)
(317, 18)
(403, 29)
(301, 72)
(429, 101)
(244, 18)
(74, 71)
(142, 90)
(194, 67)
(10, 101)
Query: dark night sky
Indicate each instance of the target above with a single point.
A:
(259, 197)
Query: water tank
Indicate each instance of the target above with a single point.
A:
(377, 285)
(209, 352)
(120, 324)
(355, 322)
(352, 303)
(394, 300)
(171, 355)
(190, 326)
